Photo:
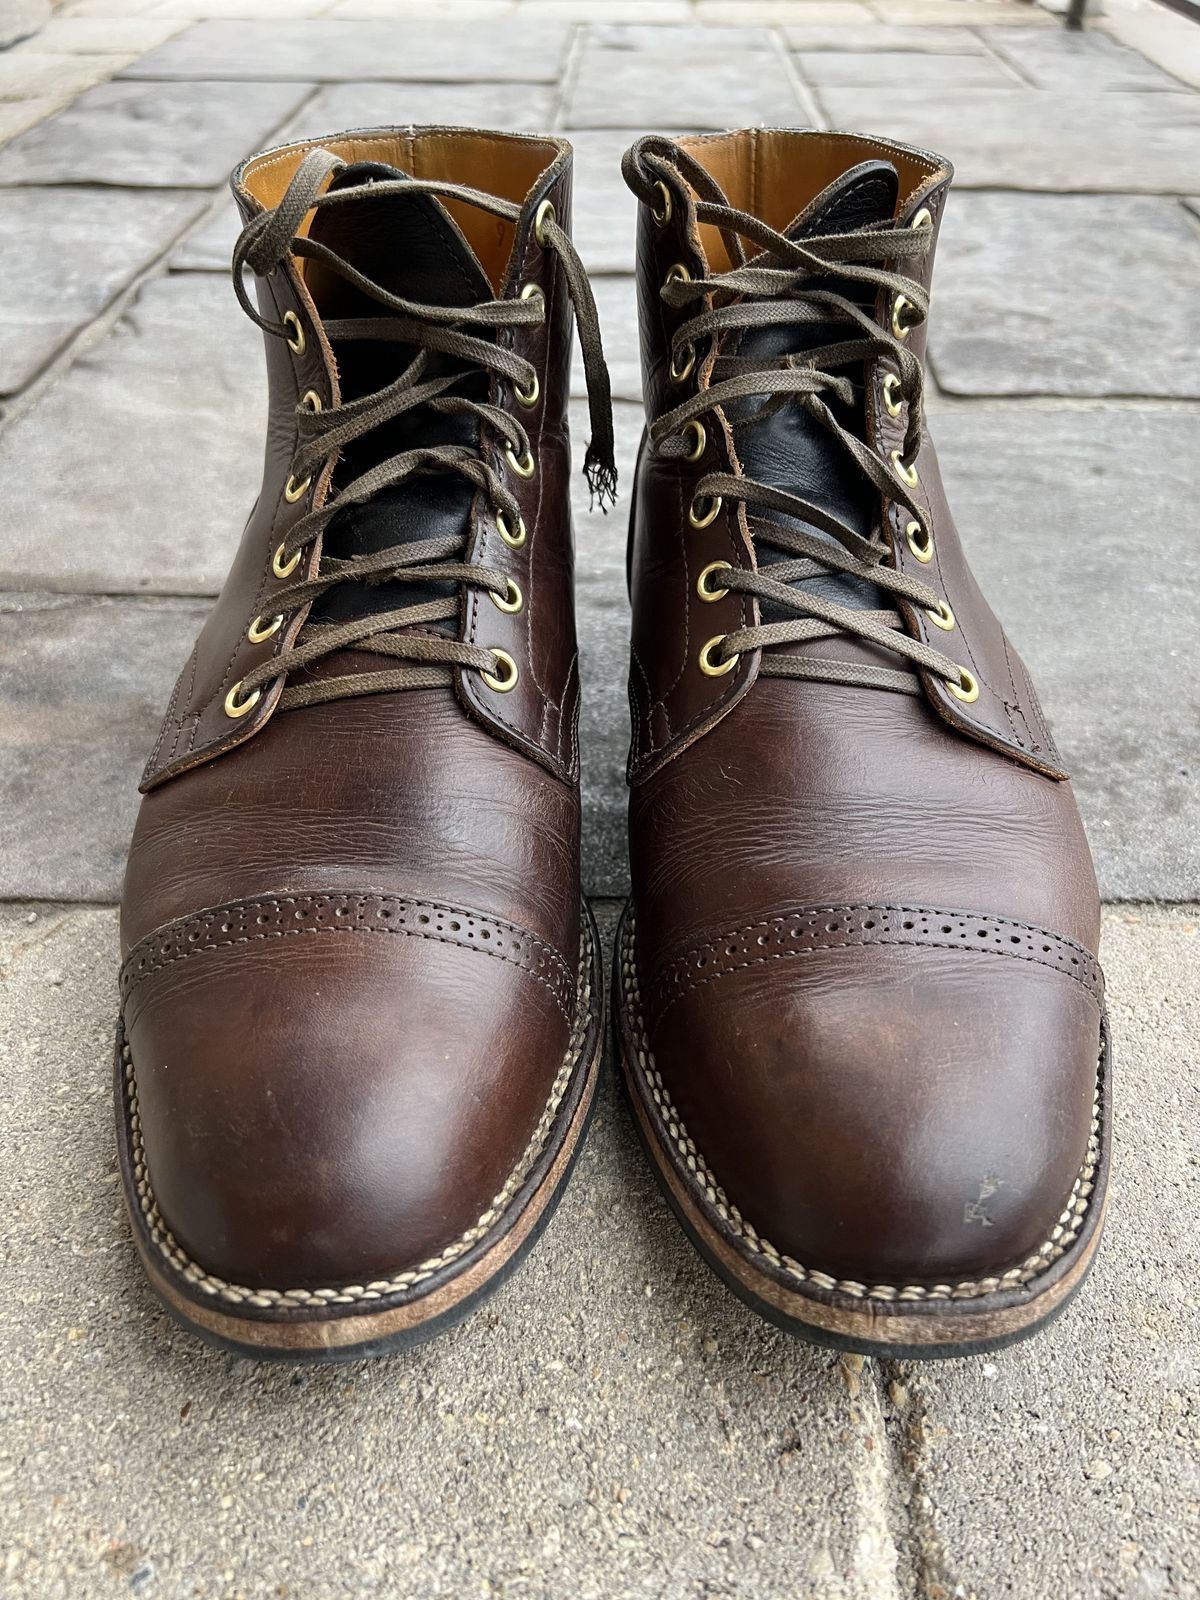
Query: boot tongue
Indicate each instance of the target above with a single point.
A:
(787, 449)
(406, 243)
(410, 246)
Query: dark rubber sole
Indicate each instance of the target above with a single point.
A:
(948, 1329)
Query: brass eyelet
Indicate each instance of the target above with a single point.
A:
(260, 630)
(891, 385)
(529, 397)
(680, 372)
(509, 680)
(282, 569)
(524, 466)
(700, 519)
(545, 213)
(907, 475)
(295, 340)
(311, 400)
(900, 328)
(696, 429)
(702, 588)
(923, 218)
(941, 616)
(504, 529)
(238, 708)
(677, 273)
(715, 669)
(293, 491)
(511, 600)
(967, 690)
(662, 215)
(920, 541)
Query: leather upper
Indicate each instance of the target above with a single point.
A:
(352, 929)
(866, 922)
(670, 702)
(540, 714)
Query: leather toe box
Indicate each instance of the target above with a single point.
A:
(887, 1096)
(335, 1088)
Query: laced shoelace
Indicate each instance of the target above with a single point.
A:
(431, 657)
(792, 283)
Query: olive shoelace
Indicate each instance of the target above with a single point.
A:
(468, 336)
(795, 283)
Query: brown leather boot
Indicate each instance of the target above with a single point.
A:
(361, 1004)
(860, 1010)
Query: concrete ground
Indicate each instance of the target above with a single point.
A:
(613, 1423)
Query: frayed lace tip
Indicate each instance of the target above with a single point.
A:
(601, 478)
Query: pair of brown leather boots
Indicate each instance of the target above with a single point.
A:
(857, 999)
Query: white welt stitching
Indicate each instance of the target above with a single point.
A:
(355, 1293)
(1062, 1235)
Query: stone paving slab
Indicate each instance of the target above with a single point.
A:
(613, 1424)
(805, 35)
(518, 49)
(1079, 524)
(28, 73)
(104, 8)
(997, 139)
(680, 78)
(64, 255)
(241, 10)
(22, 18)
(524, 107)
(130, 512)
(1068, 1466)
(828, 13)
(17, 115)
(1067, 294)
(162, 135)
(85, 682)
(605, 210)
(900, 69)
(1079, 63)
(950, 13)
(105, 35)
(1165, 37)
(208, 247)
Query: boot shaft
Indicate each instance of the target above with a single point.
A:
(355, 276)
(748, 210)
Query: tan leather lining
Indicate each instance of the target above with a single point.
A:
(501, 164)
(797, 166)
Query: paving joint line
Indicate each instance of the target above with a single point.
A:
(882, 1524)
(567, 78)
(94, 332)
(801, 87)
(1013, 69)
(97, 330)
(905, 1404)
